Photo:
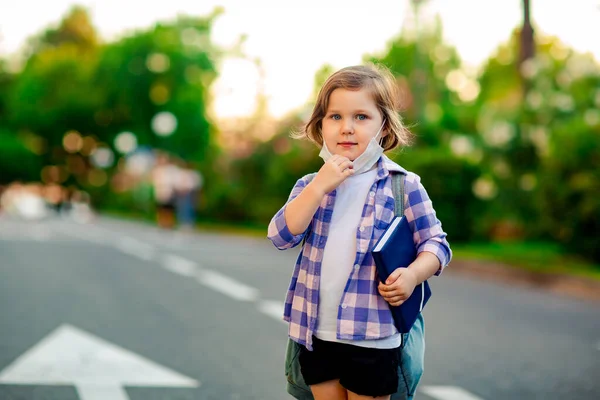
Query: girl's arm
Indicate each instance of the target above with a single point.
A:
(427, 229)
(402, 282)
(424, 267)
(289, 224)
(433, 250)
(300, 211)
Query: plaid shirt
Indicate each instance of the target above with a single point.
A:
(363, 313)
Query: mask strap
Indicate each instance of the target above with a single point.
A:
(379, 132)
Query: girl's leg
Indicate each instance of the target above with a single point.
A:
(330, 390)
(354, 396)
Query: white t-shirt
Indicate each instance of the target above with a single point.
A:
(164, 178)
(338, 259)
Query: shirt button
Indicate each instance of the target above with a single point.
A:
(344, 306)
(356, 266)
(372, 194)
(362, 229)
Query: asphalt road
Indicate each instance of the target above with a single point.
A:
(121, 310)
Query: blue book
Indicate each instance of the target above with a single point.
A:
(396, 249)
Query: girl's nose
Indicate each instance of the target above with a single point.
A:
(347, 127)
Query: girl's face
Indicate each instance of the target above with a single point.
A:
(351, 120)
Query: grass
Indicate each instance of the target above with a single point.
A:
(545, 257)
(246, 230)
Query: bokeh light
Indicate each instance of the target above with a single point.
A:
(164, 123)
(125, 142)
(158, 63)
(102, 157)
(72, 142)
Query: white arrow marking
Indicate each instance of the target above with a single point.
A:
(448, 393)
(97, 368)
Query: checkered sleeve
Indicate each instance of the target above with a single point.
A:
(278, 231)
(427, 228)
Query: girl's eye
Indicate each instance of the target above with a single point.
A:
(361, 117)
(335, 117)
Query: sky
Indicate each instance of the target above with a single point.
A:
(293, 39)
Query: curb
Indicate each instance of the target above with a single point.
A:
(573, 286)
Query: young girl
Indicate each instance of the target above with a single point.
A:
(336, 308)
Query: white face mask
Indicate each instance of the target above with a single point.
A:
(367, 159)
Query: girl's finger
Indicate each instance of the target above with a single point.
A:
(341, 160)
(397, 293)
(387, 288)
(345, 164)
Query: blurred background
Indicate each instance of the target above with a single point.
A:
(179, 113)
(503, 97)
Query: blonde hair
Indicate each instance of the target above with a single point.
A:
(385, 93)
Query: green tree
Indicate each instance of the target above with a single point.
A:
(541, 149)
(422, 63)
(438, 108)
(53, 93)
(166, 69)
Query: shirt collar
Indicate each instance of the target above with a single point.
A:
(385, 166)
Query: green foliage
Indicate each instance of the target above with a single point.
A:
(448, 181)
(421, 67)
(253, 187)
(54, 94)
(17, 163)
(510, 153)
(164, 69)
(545, 128)
(71, 82)
(569, 187)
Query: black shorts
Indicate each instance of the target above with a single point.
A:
(166, 206)
(362, 370)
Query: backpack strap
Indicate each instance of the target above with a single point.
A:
(398, 189)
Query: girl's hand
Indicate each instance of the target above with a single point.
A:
(332, 173)
(398, 286)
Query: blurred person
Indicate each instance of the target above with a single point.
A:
(65, 204)
(2, 191)
(24, 201)
(10, 196)
(53, 193)
(340, 212)
(80, 207)
(164, 176)
(188, 184)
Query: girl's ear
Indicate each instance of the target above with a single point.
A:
(386, 129)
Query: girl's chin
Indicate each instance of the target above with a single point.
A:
(348, 154)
